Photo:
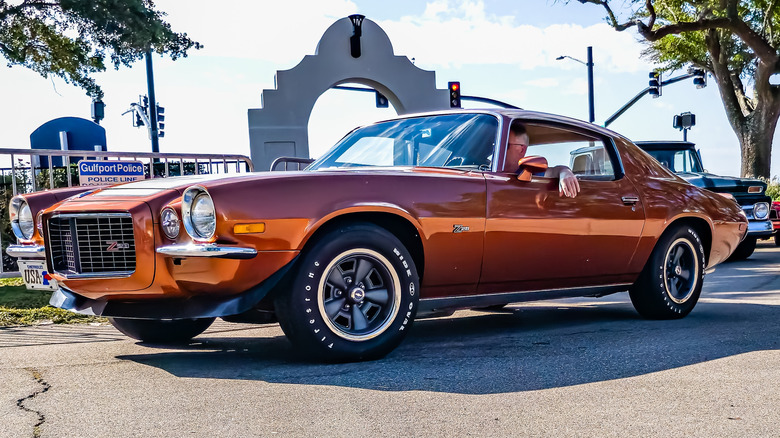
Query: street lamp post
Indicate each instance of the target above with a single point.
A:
(589, 64)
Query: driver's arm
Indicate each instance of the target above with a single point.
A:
(568, 185)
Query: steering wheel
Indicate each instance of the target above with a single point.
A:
(454, 161)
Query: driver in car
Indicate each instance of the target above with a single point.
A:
(518, 145)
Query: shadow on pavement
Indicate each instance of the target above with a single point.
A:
(523, 349)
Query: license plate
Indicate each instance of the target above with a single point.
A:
(35, 275)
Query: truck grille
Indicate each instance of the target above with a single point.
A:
(92, 244)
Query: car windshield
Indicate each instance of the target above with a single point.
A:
(453, 140)
(678, 161)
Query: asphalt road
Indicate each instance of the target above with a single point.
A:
(579, 367)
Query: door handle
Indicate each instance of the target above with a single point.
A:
(630, 200)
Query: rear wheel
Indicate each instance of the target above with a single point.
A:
(670, 283)
(744, 249)
(777, 238)
(353, 295)
(169, 331)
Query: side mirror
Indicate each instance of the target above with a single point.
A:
(528, 166)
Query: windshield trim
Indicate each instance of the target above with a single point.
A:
(496, 143)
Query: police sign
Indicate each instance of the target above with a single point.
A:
(101, 173)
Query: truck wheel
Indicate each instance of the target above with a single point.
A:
(744, 249)
(170, 331)
(670, 284)
(353, 295)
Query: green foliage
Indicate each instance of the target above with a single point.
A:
(71, 38)
(773, 189)
(19, 306)
(678, 50)
(10, 317)
(17, 296)
(11, 281)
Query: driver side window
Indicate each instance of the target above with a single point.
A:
(585, 155)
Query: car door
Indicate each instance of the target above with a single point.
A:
(536, 239)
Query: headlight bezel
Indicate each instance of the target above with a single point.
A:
(189, 199)
(765, 208)
(23, 229)
(169, 221)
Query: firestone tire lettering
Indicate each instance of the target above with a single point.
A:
(355, 316)
(670, 284)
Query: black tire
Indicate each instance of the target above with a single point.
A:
(744, 249)
(670, 284)
(777, 238)
(353, 295)
(170, 331)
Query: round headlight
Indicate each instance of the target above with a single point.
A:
(22, 221)
(761, 210)
(198, 214)
(169, 222)
(203, 216)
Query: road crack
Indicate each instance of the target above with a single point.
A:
(20, 403)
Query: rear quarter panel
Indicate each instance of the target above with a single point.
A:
(668, 199)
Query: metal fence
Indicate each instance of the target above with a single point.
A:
(31, 170)
(32, 174)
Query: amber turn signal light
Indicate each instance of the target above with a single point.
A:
(249, 228)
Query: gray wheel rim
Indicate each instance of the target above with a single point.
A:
(681, 270)
(359, 295)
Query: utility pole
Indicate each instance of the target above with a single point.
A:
(591, 108)
(589, 64)
(153, 129)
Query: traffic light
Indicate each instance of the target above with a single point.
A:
(699, 78)
(98, 110)
(454, 94)
(160, 120)
(381, 100)
(684, 121)
(655, 84)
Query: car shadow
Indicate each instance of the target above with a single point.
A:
(523, 348)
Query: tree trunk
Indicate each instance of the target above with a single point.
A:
(755, 141)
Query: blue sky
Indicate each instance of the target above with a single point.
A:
(500, 49)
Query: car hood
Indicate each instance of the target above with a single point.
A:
(153, 188)
(718, 183)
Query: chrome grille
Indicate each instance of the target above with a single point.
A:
(92, 244)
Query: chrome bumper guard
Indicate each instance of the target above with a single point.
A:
(26, 251)
(760, 228)
(207, 250)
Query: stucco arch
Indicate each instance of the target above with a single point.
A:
(280, 127)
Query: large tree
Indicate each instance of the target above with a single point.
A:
(72, 39)
(735, 41)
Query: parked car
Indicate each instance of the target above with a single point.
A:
(774, 215)
(407, 217)
(682, 158)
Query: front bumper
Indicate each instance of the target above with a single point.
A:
(207, 250)
(760, 228)
(171, 308)
(26, 251)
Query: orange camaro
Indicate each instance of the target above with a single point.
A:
(404, 218)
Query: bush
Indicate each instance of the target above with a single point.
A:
(773, 189)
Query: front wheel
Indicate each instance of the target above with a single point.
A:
(353, 295)
(169, 331)
(670, 283)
